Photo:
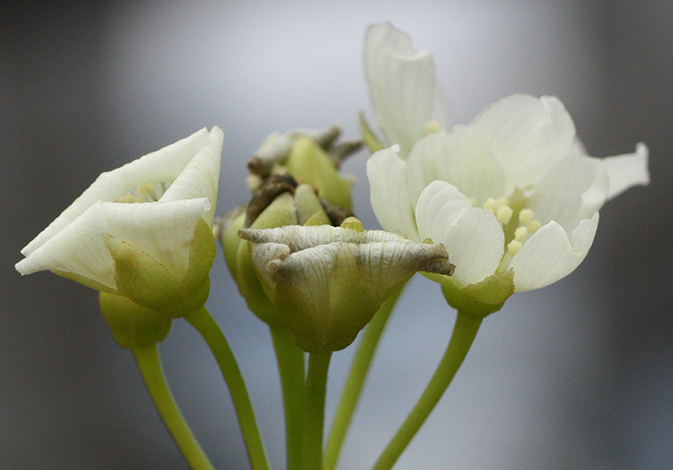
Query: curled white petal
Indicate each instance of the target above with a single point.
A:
(550, 254)
(163, 231)
(472, 236)
(390, 197)
(75, 244)
(402, 86)
(627, 170)
(157, 167)
(298, 237)
(571, 191)
(200, 176)
(309, 254)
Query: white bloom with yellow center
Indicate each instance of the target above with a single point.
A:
(514, 190)
(406, 99)
(147, 212)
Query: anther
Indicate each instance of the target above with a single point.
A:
(525, 216)
(432, 127)
(520, 233)
(491, 205)
(533, 226)
(514, 246)
(504, 214)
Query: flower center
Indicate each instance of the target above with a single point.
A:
(518, 222)
(148, 192)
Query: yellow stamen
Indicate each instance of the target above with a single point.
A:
(525, 216)
(129, 198)
(520, 233)
(533, 226)
(146, 189)
(513, 247)
(491, 205)
(432, 127)
(504, 214)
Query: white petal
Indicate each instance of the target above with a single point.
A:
(200, 177)
(571, 191)
(157, 167)
(164, 231)
(472, 236)
(627, 170)
(389, 193)
(550, 255)
(462, 158)
(402, 85)
(527, 135)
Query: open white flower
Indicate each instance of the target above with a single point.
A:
(514, 190)
(153, 215)
(406, 100)
(326, 282)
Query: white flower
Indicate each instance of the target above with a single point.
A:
(147, 212)
(406, 100)
(514, 190)
(327, 282)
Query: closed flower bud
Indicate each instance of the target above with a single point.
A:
(279, 202)
(132, 325)
(312, 157)
(327, 283)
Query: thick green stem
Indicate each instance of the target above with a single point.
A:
(148, 362)
(356, 379)
(208, 328)
(316, 389)
(292, 376)
(463, 335)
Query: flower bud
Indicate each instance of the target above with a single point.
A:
(328, 282)
(280, 201)
(133, 326)
(309, 156)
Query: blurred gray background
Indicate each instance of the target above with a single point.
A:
(576, 375)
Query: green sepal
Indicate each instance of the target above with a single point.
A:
(334, 325)
(368, 137)
(149, 283)
(309, 163)
(282, 211)
(230, 240)
(133, 326)
(480, 299)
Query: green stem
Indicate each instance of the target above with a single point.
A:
(292, 375)
(316, 388)
(148, 362)
(356, 379)
(208, 328)
(463, 335)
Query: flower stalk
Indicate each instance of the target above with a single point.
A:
(464, 332)
(149, 364)
(350, 396)
(291, 368)
(314, 417)
(209, 330)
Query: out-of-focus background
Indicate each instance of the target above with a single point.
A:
(576, 375)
